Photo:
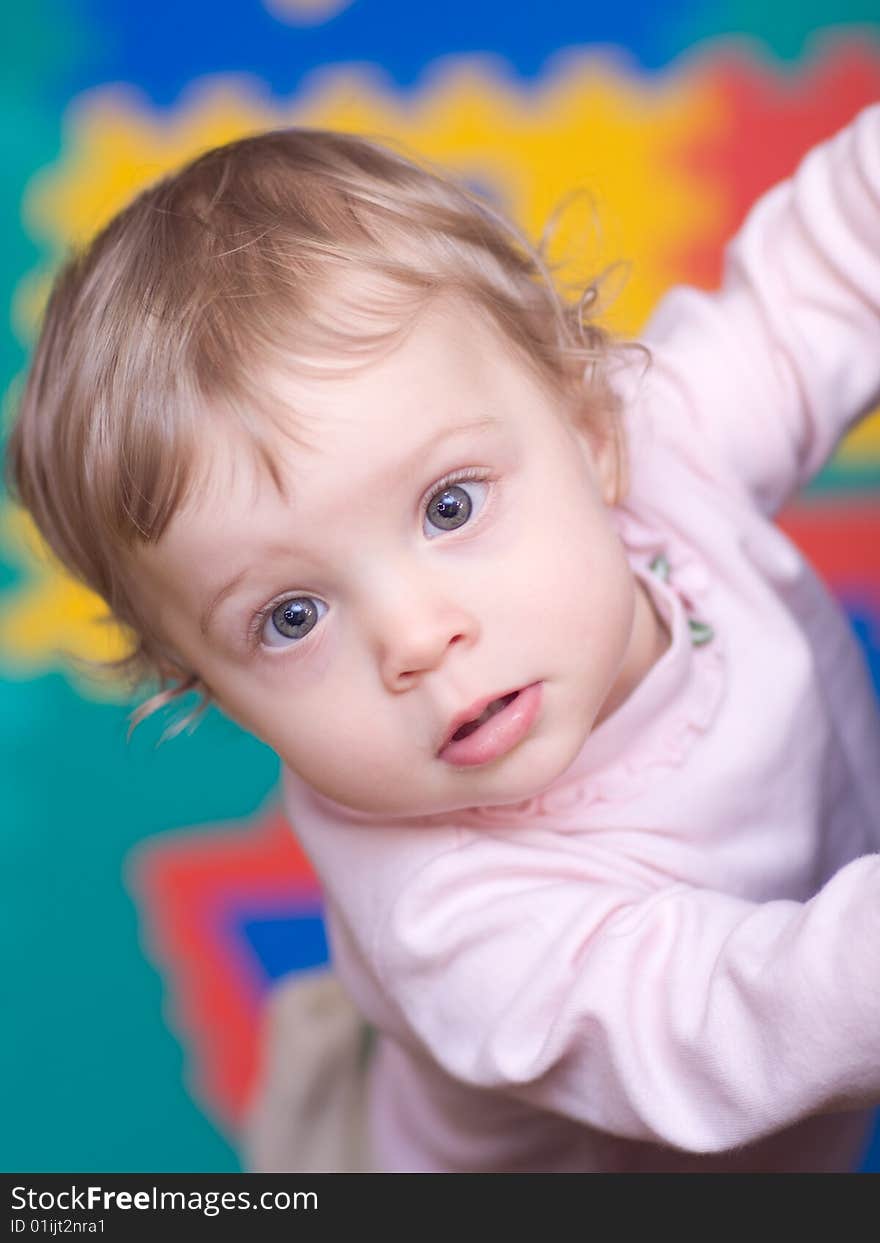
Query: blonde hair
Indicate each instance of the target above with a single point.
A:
(242, 259)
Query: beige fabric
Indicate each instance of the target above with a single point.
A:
(308, 1112)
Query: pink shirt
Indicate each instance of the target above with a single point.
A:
(674, 950)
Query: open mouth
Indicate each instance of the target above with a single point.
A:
(502, 725)
(489, 711)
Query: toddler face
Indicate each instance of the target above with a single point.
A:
(444, 555)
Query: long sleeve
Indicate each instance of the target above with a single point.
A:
(672, 1014)
(765, 376)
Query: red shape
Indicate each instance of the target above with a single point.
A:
(774, 119)
(186, 885)
(842, 540)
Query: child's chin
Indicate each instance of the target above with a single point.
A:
(522, 775)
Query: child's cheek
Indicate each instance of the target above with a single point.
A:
(304, 699)
(306, 668)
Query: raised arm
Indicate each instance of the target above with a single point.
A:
(671, 1014)
(764, 377)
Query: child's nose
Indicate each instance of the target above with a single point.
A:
(416, 633)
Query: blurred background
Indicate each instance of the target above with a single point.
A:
(150, 896)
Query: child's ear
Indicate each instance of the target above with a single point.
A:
(601, 448)
(171, 669)
(607, 457)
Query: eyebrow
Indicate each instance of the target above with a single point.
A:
(399, 471)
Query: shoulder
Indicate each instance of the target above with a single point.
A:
(365, 863)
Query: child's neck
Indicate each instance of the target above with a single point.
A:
(649, 639)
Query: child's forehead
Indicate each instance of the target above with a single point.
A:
(451, 352)
(437, 382)
(452, 370)
(447, 342)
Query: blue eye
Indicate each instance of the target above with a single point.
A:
(292, 620)
(451, 506)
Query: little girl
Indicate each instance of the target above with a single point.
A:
(583, 753)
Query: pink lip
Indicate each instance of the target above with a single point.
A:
(498, 735)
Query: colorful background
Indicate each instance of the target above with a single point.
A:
(150, 896)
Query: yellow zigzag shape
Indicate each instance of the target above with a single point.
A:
(53, 617)
(587, 126)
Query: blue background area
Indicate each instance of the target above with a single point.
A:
(294, 941)
(164, 45)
